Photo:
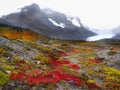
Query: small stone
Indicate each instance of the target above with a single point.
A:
(8, 72)
(38, 62)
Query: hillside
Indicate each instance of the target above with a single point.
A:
(30, 61)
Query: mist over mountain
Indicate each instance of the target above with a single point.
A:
(49, 23)
(116, 31)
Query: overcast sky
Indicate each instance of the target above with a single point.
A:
(98, 14)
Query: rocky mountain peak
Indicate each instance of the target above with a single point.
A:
(33, 7)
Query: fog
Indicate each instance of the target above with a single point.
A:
(100, 15)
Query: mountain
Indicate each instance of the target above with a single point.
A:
(116, 31)
(4, 22)
(50, 23)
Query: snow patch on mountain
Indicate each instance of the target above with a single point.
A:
(62, 25)
(74, 21)
(68, 18)
(25, 10)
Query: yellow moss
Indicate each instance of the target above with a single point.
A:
(90, 81)
(44, 59)
(111, 71)
(70, 70)
(112, 78)
(16, 71)
(16, 58)
(1, 49)
(7, 67)
(3, 59)
(4, 78)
